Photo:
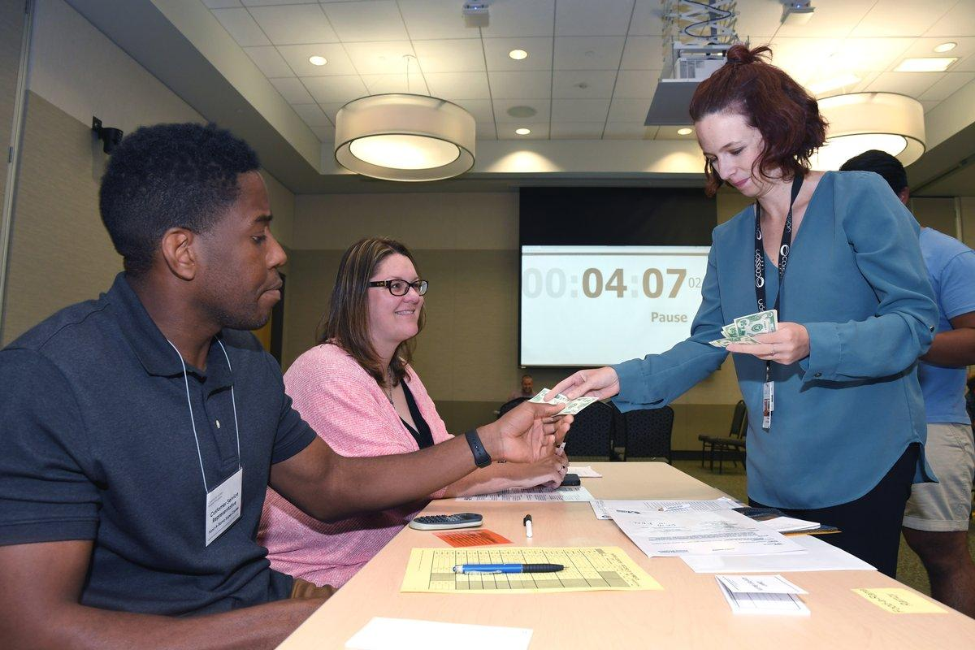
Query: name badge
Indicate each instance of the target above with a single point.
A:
(768, 404)
(223, 506)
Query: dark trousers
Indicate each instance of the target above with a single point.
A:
(870, 525)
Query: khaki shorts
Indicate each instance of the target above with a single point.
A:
(945, 506)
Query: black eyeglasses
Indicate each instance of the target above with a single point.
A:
(399, 287)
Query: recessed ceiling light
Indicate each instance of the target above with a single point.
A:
(518, 55)
(946, 47)
(317, 60)
(929, 64)
(685, 131)
(523, 131)
(832, 84)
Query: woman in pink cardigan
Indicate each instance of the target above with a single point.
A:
(358, 391)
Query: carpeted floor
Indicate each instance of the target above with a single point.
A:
(732, 482)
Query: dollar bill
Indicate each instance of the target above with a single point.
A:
(542, 397)
(725, 342)
(571, 407)
(761, 323)
(577, 405)
(730, 331)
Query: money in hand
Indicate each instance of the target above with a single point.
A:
(743, 329)
(571, 406)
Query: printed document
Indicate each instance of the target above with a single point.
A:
(716, 532)
(603, 507)
(534, 495)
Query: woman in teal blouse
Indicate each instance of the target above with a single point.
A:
(844, 441)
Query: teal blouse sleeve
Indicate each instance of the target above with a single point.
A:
(658, 379)
(884, 237)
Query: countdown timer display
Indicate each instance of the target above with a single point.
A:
(598, 305)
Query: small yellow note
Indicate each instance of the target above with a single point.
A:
(898, 600)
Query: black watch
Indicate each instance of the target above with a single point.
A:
(481, 457)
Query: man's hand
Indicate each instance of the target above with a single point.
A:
(526, 433)
(599, 383)
(956, 347)
(788, 344)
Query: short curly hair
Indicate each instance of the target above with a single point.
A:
(787, 116)
(169, 176)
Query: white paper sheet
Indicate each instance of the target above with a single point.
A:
(603, 507)
(818, 556)
(692, 532)
(789, 524)
(760, 585)
(764, 603)
(584, 471)
(406, 634)
(535, 495)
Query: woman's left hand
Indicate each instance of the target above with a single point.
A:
(788, 344)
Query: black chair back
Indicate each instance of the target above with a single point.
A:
(592, 432)
(507, 406)
(648, 433)
(739, 421)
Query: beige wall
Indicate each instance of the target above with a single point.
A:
(466, 245)
(59, 250)
(937, 213)
(11, 34)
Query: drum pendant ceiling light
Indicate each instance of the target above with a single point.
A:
(859, 122)
(404, 137)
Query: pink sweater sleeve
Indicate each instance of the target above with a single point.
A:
(348, 409)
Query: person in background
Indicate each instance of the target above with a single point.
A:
(937, 516)
(527, 389)
(837, 255)
(970, 399)
(359, 392)
(131, 476)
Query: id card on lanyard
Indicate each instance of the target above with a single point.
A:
(768, 388)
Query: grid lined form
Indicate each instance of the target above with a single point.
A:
(585, 568)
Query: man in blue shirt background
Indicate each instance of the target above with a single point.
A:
(936, 519)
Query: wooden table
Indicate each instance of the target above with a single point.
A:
(689, 613)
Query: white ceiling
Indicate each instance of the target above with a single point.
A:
(592, 67)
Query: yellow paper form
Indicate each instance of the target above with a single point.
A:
(898, 600)
(601, 568)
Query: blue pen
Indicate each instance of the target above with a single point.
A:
(508, 568)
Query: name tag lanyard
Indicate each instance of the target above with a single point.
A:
(224, 501)
(768, 389)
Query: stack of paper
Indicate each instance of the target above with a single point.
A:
(762, 595)
(603, 508)
(694, 532)
(790, 524)
(535, 494)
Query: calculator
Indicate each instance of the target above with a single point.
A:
(446, 522)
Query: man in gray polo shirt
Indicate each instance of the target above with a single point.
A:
(141, 430)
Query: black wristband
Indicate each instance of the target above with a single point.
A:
(481, 457)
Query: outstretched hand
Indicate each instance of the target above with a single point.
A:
(599, 383)
(531, 432)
